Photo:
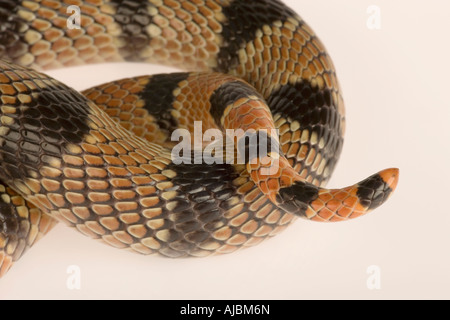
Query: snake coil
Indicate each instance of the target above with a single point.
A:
(100, 161)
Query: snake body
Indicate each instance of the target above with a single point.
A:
(101, 161)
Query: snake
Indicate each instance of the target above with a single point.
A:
(102, 161)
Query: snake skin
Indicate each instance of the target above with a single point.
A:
(101, 163)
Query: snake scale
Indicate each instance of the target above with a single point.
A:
(101, 162)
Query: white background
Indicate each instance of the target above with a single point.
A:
(395, 82)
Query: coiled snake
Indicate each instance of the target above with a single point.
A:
(101, 161)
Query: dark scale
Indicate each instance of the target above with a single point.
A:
(134, 18)
(9, 219)
(12, 28)
(243, 19)
(203, 198)
(297, 197)
(61, 119)
(56, 117)
(316, 111)
(159, 98)
(202, 189)
(373, 191)
(14, 229)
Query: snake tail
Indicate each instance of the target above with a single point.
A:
(237, 106)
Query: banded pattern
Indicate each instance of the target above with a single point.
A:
(102, 163)
(135, 196)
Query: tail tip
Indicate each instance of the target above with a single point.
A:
(390, 177)
(376, 190)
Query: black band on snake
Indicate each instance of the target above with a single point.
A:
(101, 161)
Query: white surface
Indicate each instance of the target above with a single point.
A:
(395, 83)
